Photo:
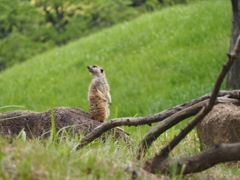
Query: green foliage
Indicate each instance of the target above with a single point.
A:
(17, 47)
(12, 19)
(31, 27)
(174, 2)
(150, 5)
(74, 19)
(19, 23)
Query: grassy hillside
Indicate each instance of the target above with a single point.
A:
(152, 63)
(157, 61)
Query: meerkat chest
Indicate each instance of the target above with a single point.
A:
(100, 84)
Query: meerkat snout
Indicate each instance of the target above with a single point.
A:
(96, 71)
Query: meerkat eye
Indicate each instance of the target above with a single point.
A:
(102, 70)
(94, 66)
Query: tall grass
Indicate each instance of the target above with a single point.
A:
(152, 63)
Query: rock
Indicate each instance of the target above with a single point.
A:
(221, 125)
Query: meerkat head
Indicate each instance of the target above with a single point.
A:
(96, 71)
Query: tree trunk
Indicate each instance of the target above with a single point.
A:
(234, 74)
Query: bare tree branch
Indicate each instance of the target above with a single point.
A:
(219, 154)
(169, 122)
(151, 164)
(129, 121)
(98, 131)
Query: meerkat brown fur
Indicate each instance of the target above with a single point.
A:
(98, 94)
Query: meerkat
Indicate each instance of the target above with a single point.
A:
(99, 94)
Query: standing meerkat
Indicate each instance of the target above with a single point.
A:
(98, 94)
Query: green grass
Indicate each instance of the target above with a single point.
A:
(58, 161)
(157, 61)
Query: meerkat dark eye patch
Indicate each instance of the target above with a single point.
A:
(102, 70)
(94, 66)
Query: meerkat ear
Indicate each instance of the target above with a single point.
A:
(102, 70)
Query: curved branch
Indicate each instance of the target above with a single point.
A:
(98, 131)
(219, 154)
